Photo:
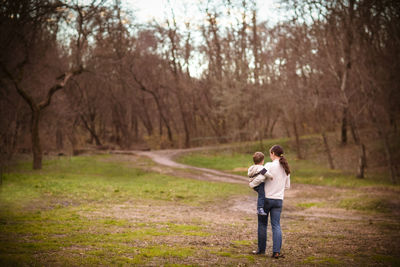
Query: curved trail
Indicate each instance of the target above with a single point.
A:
(166, 158)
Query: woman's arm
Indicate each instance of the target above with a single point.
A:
(287, 185)
(268, 175)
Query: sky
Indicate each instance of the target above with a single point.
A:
(147, 10)
(188, 11)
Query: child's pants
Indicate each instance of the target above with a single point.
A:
(261, 195)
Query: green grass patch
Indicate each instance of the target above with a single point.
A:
(231, 254)
(179, 265)
(224, 161)
(187, 230)
(165, 252)
(307, 205)
(243, 242)
(114, 241)
(365, 203)
(47, 212)
(387, 260)
(88, 179)
(230, 159)
(236, 159)
(321, 260)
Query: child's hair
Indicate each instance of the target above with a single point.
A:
(258, 157)
(278, 151)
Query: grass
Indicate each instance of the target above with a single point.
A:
(99, 210)
(88, 179)
(307, 205)
(225, 161)
(365, 203)
(47, 212)
(387, 260)
(238, 159)
(230, 158)
(322, 260)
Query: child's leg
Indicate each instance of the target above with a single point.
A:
(261, 196)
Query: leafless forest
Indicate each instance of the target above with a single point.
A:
(81, 73)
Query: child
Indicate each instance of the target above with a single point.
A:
(257, 172)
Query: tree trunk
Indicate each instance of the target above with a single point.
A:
(344, 127)
(354, 132)
(36, 148)
(387, 147)
(362, 162)
(94, 133)
(135, 126)
(14, 138)
(297, 138)
(97, 139)
(159, 107)
(59, 139)
(37, 108)
(255, 44)
(328, 151)
(160, 126)
(146, 121)
(286, 126)
(187, 134)
(169, 131)
(271, 129)
(72, 139)
(389, 156)
(91, 127)
(184, 119)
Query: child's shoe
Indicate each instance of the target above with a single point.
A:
(260, 211)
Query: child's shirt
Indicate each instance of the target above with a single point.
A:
(257, 174)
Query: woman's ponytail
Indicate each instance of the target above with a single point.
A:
(278, 151)
(284, 164)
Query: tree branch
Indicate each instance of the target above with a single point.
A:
(21, 92)
(64, 78)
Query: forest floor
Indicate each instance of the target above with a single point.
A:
(140, 208)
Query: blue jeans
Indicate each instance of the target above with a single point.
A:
(273, 207)
(261, 195)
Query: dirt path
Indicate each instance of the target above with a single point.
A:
(324, 197)
(166, 158)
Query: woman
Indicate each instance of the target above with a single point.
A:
(274, 192)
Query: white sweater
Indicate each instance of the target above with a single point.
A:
(275, 188)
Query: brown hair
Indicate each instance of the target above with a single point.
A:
(277, 150)
(258, 157)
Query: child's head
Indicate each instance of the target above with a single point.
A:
(258, 158)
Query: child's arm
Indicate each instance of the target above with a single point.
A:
(266, 174)
(258, 180)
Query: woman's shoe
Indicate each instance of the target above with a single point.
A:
(257, 252)
(277, 255)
